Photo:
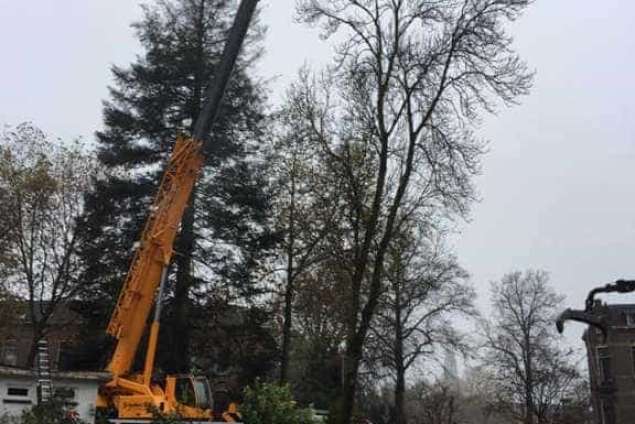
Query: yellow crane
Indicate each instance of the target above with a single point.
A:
(133, 394)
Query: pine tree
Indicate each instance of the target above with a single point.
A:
(152, 101)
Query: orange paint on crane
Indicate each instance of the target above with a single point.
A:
(154, 253)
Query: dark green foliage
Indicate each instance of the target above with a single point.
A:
(53, 412)
(316, 374)
(152, 101)
(170, 419)
(233, 344)
(159, 418)
(266, 403)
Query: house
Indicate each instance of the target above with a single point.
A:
(63, 330)
(19, 378)
(19, 391)
(612, 364)
(230, 345)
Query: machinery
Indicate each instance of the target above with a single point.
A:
(590, 315)
(134, 395)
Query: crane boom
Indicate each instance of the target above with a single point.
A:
(216, 90)
(153, 255)
(148, 269)
(155, 251)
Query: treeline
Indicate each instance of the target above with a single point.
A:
(314, 249)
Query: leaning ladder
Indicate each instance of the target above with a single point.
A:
(44, 371)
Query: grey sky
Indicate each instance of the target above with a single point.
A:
(557, 187)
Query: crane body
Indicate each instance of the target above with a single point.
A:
(133, 395)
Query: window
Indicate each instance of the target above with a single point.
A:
(203, 395)
(66, 356)
(604, 364)
(185, 391)
(67, 395)
(630, 319)
(65, 392)
(633, 358)
(17, 391)
(608, 413)
(10, 353)
(17, 395)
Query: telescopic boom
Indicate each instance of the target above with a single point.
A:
(148, 270)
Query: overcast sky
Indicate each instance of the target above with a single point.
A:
(557, 185)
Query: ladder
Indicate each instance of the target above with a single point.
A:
(44, 371)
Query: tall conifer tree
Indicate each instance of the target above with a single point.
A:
(151, 101)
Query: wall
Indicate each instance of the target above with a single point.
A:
(13, 404)
(81, 389)
(613, 395)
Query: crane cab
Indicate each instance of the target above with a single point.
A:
(189, 396)
(185, 396)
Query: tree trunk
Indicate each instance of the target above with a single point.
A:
(400, 390)
(451, 410)
(400, 386)
(358, 331)
(38, 333)
(529, 389)
(286, 331)
(179, 358)
(288, 295)
(351, 366)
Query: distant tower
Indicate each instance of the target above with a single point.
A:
(450, 368)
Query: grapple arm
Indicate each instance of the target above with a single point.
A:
(585, 317)
(590, 315)
(620, 286)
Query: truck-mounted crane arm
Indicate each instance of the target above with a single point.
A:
(131, 393)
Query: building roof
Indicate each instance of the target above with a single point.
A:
(6, 371)
(622, 306)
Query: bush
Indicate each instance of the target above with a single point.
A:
(53, 412)
(159, 418)
(7, 419)
(272, 404)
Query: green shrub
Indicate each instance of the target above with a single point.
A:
(159, 418)
(7, 419)
(53, 412)
(272, 404)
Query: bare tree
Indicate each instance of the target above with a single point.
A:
(436, 403)
(42, 184)
(425, 292)
(320, 331)
(304, 213)
(530, 372)
(393, 118)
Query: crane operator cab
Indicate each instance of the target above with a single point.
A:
(192, 392)
(194, 398)
(185, 396)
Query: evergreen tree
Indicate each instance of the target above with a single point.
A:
(152, 101)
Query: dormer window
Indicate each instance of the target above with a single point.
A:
(10, 353)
